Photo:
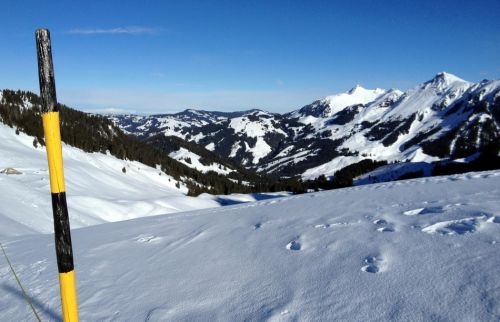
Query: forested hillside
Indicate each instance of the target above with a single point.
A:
(94, 133)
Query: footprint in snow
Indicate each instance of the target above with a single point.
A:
(293, 245)
(257, 226)
(386, 227)
(494, 219)
(372, 264)
(454, 227)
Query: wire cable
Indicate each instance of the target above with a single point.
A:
(26, 297)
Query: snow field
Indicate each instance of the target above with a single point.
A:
(415, 250)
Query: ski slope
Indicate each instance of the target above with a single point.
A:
(417, 250)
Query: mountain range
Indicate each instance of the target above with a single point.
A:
(445, 118)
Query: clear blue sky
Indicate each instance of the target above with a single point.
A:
(164, 56)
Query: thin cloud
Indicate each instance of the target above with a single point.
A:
(157, 74)
(112, 31)
(111, 110)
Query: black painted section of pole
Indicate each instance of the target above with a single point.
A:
(64, 249)
(46, 71)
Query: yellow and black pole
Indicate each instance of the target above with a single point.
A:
(50, 117)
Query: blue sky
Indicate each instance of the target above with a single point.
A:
(165, 56)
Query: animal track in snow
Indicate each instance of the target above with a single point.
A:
(371, 264)
(257, 226)
(335, 224)
(293, 245)
(423, 211)
(386, 229)
(380, 222)
(147, 239)
(454, 227)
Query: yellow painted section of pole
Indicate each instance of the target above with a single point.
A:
(54, 151)
(53, 145)
(68, 296)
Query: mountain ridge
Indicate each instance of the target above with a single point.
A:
(445, 117)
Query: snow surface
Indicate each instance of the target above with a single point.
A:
(260, 150)
(337, 102)
(254, 129)
(357, 95)
(416, 250)
(210, 146)
(391, 172)
(97, 189)
(330, 167)
(182, 155)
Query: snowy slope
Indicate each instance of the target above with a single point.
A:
(192, 160)
(97, 189)
(333, 104)
(417, 250)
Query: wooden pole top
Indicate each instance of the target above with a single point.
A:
(46, 71)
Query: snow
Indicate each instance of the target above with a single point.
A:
(329, 168)
(357, 95)
(210, 146)
(237, 198)
(280, 162)
(391, 172)
(234, 149)
(416, 250)
(444, 89)
(182, 155)
(338, 102)
(97, 189)
(420, 156)
(253, 129)
(260, 150)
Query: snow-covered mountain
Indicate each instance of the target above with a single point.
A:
(417, 250)
(445, 117)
